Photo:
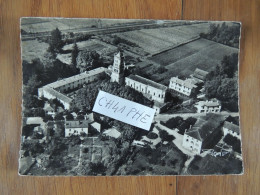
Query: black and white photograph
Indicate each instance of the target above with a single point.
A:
(186, 71)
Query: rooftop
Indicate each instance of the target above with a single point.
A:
(147, 82)
(186, 83)
(57, 94)
(231, 126)
(77, 77)
(200, 74)
(112, 133)
(76, 124)
(202, 129)
(209, 103)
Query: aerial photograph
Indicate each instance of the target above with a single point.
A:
(187, 71)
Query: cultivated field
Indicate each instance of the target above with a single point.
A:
(183, 60)
(155, 40)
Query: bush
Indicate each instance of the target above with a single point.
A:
(152, 135)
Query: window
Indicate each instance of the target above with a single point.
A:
(162, 96)
(153, 93)
(187, 140)
(159, 95)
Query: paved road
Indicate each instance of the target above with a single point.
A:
(165, 117)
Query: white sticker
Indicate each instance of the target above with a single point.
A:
(124, 110)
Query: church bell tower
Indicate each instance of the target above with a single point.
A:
(118, 68)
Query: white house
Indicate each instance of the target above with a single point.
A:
(232, 129)
(208, 106)
(149, 88)
(183, 87)
(76, 127)
(192, 141)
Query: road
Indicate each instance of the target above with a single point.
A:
(165, 117)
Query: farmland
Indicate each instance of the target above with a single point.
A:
(183, 60)
(155, 40)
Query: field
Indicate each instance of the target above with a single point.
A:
(35, 25)
(32, 49)
(93, 45)
(183, 60)
(156, 40)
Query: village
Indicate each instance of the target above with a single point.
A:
(190, 131)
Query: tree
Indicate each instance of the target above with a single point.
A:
(69, 117)
(55, 43)
(164, 135)
(74, 54)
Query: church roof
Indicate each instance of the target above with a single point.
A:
(147, 82)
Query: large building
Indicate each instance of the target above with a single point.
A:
(199, 136)
(118, 68)
(58, 89)
(208, 106)
(183, 87)
(150, 89)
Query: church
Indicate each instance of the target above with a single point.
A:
(148, 88)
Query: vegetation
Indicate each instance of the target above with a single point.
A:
(74, 54)
(88, 60)
(86, 96)
(221, 83)
(225, 34)
(234, 142)
(55, 42)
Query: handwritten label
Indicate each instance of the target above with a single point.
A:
(124, 110)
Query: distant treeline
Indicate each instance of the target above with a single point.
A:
(225, 34)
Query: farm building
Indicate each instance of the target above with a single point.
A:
(232, 129)
(208, 106)
(183, 87)
(199, 75)
(56, 89)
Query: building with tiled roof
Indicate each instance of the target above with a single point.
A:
(183, 87)
(149, 88)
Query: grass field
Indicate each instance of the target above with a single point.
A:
(33, 49)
